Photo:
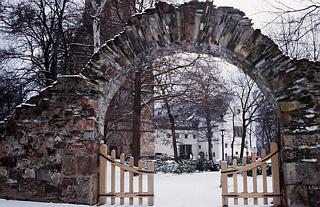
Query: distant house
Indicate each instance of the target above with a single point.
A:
(191, 140)
(187, 142)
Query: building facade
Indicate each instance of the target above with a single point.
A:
(192, 142)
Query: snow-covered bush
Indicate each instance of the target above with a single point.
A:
(185, 166)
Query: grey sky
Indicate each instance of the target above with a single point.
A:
(259, 10)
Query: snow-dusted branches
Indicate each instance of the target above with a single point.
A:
(296, 29)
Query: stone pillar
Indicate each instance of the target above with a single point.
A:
(301, 167)
(300, 150)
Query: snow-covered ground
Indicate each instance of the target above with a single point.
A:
(171, 190)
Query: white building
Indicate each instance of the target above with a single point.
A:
(187, 142)
(192, 141)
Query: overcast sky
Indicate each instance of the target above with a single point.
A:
(260, 10)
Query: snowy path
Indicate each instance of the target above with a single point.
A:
(186, 190)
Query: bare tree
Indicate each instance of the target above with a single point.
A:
(170, 87)
(37, 34)
(296, 30)
(235, 111)
(207, 95)
(11, 93)
(267, 125)
(250, 98)
(98, 9)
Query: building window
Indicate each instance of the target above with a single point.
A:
(237, 131)
(237, 153)
(225, 145)
(194, 136)
(213, 154)
(186, 136)
(185, 150)
(199, 146)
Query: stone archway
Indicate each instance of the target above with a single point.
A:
(49, 146)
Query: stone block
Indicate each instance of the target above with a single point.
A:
(3, 172)
(13, 174)
(44, 175)
(77, 146)
(297, 195)
(317, 101)
(242, 50)
(86, 189)
(52, 192)
(68, 189)
(28, 173)
(56, 178)
(87, 164)
(57, 160)
(89, 135)
(85, 125)
(285, 118)
(89, 103)
(8, 161)
(314, 195)
(302, 172)
(60, 145)
(289, 106)
(2, 150)
(69, 165)
(287, 139)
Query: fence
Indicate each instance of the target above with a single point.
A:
(124, 168)
(235, 170)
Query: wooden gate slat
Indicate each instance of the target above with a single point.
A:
(103, 174)
(245, 180)
(113, 176)
(131, 169)
(235, 180)
(122, 157)
(275, 174)
(224, 183)
(150, 183)
(234, 170)
(254, 178)
(131, 161)
(264, 176)
(140, 180)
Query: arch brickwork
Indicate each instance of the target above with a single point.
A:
(49, 146)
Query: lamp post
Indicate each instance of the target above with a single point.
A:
(222, 143)
(222, 136)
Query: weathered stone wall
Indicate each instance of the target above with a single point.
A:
(291, 85)
(49, 146)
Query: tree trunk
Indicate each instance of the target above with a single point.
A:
(97, 8)
(243, 138)
(250, 135)
(173, 130)
(209, 137)
(96, 33)
(136, 118)
(233, 136)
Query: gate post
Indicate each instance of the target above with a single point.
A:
(275, 174)
(224, 183)
(102, 174)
